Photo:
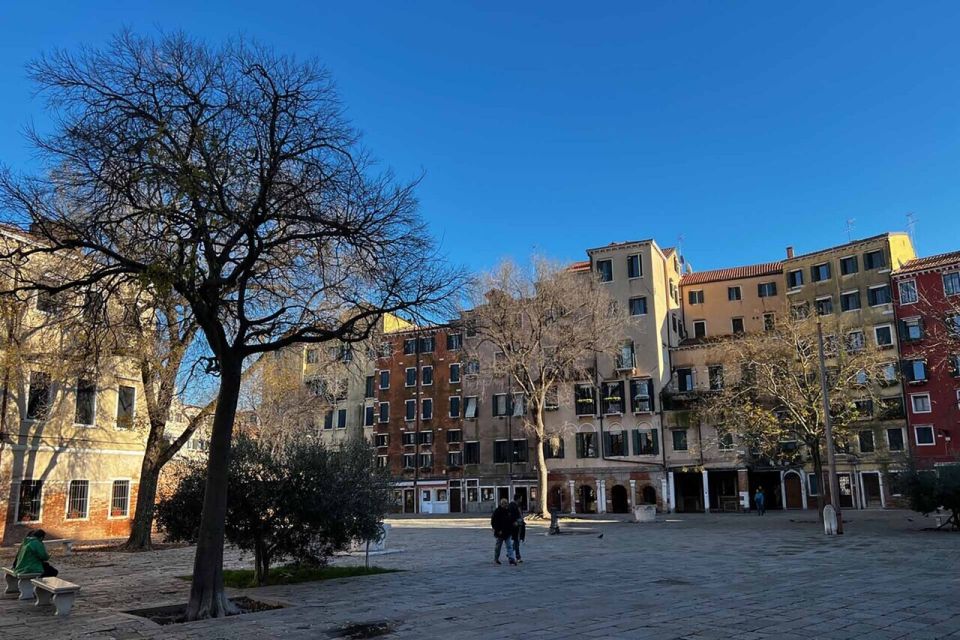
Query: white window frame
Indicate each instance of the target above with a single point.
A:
(459, 406)
(422, 401)
(892, 334)
(406, 376)
(466, 405)
(16, 511)
(126, 516)
(380, 379)
(133, 413)
(739, 290)
(422, 369)
(916, 435)
(913, 406)
(903, 439)
(639, 266)
(406, 410)
(916, 293)
(943, 283)
(646, 308)
(66, 510)
(380, 419)
(459, 373)
(863, 339)
(694, 325)
(506, 405)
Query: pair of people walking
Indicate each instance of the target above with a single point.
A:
(509, 529)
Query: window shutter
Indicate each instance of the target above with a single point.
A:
(579, 445)
(653, 406)
(906, 369)
(655, 440)
(607, 443)
(636, 442)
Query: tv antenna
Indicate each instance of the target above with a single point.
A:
(911, 226)
(850, 222)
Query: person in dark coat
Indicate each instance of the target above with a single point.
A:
(502, 525)
(519, 526)
(760, 499)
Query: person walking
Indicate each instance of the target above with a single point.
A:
(502, 525)
(519, 526)
(32, 556)
(759, 500)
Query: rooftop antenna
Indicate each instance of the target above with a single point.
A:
(680, 246)
(850, 222)
(911, 226)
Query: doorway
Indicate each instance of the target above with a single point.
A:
(619, 500)
(791, 483)
(409, 500)
(555, 503)
(649, 495)
(588, 499)
(846, 490)
(872, 497)
(455, 500)
(521, 494)
(689, 491)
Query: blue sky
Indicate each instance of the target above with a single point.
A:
(554, 127)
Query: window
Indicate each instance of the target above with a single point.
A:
(884, 335)
(486, 494)
(426, 438)
(385, 350)
(767, 289)
(769, 321)
(454, 407)
(679, 439)
(384, 379)
(120, 499)
(895, 439)
(78, 498)
(410, 377)
(855, 341)
(684, 379)
(502, 451)
(470, 408)
(587, 445)
(368, 387)
(28, 508)
(341, 419)
(472, 367)
(864, 408)
(426, 408)
(410, 410)
(552, 399)
(384, 412)
(455, 373)
(500, 404)
(613, 398)
(381, 439)
(824, 306)
(409, 460)
(733, 294)
(820, 272)
(865, 441)
(695, 297)
(673, 291)
(605, 270)
(409, 438)
(427, 344)
(126, 406)
(850, 301)
(383, 462)
(634, 269)
(328, 419)
(908, 291)
(85, 412)
(891, 408)
(915, 370)
(454, 341)
(725, 441)
(553, 447)
(518, 405)
(454, 435)
(716, 377)
(615, 443)
(312, 356)
(800, 310)
(849, 265)
(38, 397)
(878, 295)
(813, 486)
(638, 306)
(924, 435)
(737, 325)
(641, 395)
(471, 453)
(920, 402)
(795, 279)
(951, 283)
(426, 374)
(911, 329)
(625, 356)
(699, 328)
(646, 442)
(954, 362)
(953, 325)
(409, 346)
(874, 260)
(520, 450)
(455, 459)
(585, 398)
(426, 462)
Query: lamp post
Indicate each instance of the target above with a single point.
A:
(828, 433)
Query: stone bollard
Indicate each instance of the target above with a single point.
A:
(554, 522)
(645, 513)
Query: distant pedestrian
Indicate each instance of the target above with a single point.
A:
(32, 556)
(502, 525)
(759, 500)
(519, 526)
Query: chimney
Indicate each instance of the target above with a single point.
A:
(789, 252)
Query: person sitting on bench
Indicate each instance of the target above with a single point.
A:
(32, 556)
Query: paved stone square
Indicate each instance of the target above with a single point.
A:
(687, 576)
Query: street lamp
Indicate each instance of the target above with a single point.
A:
(828, 433)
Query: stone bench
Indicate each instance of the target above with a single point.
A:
(19, 583)
(59, 592)
(67, 544)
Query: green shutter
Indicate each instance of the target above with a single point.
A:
(653, 406)
(636, 442)
(655, 439)
(579, 446)
(607, 443)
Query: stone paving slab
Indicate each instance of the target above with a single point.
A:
(695, 577)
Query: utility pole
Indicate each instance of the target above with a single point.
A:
(828, 434)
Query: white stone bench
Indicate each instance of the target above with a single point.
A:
(19, 583)
(67, 544)
(60, 592)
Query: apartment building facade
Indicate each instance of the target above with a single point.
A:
(606, 447)
(926, 295)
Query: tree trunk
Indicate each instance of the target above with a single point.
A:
(207, 598)
(141, 528)
(818, 471)
(261, 562)
(542, 486)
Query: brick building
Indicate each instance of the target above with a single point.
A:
(927, 301)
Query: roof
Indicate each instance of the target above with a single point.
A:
(930, 262)
(852, 243)
(579, 266)
(733, 273)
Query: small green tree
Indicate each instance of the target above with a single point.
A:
(932, 489)
(300, 500)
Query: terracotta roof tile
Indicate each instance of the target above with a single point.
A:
(732, 273)
(930, 262)
(580, 266)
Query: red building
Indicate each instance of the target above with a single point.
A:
(926, 297)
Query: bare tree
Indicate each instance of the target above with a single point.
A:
(541, 327)
(775, 395)
(230, 176)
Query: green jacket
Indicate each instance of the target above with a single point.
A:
(31, 556)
